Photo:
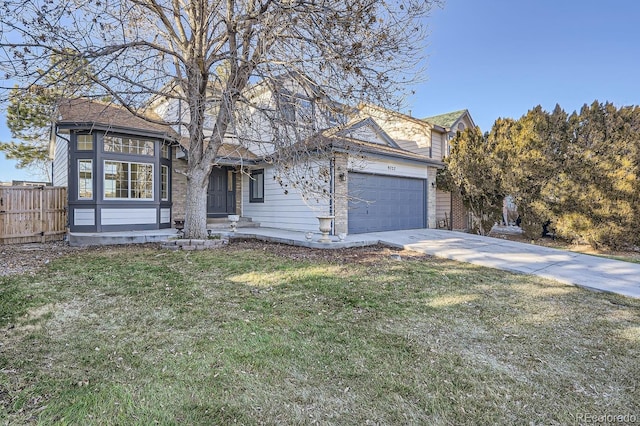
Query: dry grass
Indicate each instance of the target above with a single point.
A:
(268, 334)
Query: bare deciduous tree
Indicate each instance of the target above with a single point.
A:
(216, 56)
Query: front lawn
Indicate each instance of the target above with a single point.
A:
(267, 334)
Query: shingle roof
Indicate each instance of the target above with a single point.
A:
(445, 120)
(227, 150)
(84, 111)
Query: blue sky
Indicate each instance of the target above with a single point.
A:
(500, 58)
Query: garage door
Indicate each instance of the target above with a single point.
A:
(385, 203)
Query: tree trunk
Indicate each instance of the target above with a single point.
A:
(195, 224)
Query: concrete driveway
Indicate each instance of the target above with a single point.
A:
(583, 270)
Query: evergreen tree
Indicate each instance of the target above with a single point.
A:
(31, 111)
(471, 169)
(527, 168)
(600, 198)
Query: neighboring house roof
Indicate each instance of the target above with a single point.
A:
(82, 112)
(446, 120)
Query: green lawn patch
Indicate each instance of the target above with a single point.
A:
(266, 334)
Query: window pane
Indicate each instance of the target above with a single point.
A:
(259, 185)
(256, 186)
(85, 142)
(85, 179)
(129, 145)
(129, 180)
(116, 179)
(229, 181)
(141, 181)
(164, 183)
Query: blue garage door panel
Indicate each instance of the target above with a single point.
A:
(385, 203)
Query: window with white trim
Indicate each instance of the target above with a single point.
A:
(84, 142)
(128, 145)
(124, 180)
(85, 179)
(164, 183)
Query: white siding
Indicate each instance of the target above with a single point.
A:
(412, 146)
(401, 127)
(165, 215)
(84, 217)
(128, 216)
(438, 139)
(280, 210)
(61, 163)
(443, 206)
(367, 134)
(387, 167)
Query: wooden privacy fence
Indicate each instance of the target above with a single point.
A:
(32, 214)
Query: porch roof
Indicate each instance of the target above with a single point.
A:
(227, 151)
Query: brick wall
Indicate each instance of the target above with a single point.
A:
(459, 214)
(178, 189)
(432, 221)
(238, 175)
(341, 194)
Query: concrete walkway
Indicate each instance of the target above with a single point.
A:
(591, 272)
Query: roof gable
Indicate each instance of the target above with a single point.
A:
(449, 119)
(367, 130)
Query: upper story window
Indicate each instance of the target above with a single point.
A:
(305, 110)
(297, 109)
(461, 127)
(126, 145)
(165, 151)
(84, 142)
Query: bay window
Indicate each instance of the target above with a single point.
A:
(125, 180)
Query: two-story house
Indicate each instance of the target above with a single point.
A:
(370, 168)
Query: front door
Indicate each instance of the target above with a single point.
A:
(221, 199)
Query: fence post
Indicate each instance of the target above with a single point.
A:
(42, 215)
